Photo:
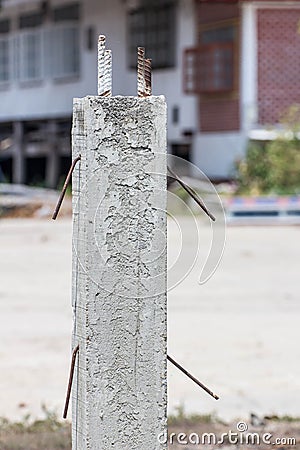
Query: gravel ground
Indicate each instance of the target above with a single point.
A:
(239, 333)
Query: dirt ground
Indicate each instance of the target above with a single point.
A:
(238, 333)
(193, 433)
(200, 434)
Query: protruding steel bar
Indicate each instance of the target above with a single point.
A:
(141, 72)
(65, 186)
(192, 194)
(74, 354)
(148, 77)
(183, 370)
(101, 64)
(107, 73)
(144, 74)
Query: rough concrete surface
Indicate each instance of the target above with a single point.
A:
(119, 273)
(239, 333)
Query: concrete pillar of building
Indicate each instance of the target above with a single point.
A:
(52, 166)
(18, 170)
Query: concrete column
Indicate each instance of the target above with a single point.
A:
(119, 273)
(53, 156)
(18, 171)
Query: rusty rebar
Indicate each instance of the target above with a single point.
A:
(144, 74)
(65, 186)
(141, 72)
(72, 368)
(148, 77)
(189, 375)
(192, 194)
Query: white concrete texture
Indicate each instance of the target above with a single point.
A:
(119, 273)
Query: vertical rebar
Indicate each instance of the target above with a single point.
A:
(148, 77)
(141, 72)
(101, 64)
(107, 74)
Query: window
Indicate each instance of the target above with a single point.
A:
(31, 20)
(30, 50)
(64, 50)
(65, 45)
(66, 12)
(153, 27)
(211, 67)
(4, 26)
(5, 54)
(53, 52)
(39, 50)
(29, 47)
(4, 59)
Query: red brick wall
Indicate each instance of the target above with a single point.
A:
(219, 112)
(278, 62)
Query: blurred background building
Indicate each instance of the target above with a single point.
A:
(228, 70)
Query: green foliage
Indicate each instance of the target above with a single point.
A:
(182, 418)
(285, 418)
(49, 423)
(290, 119)
(48, 433)
(253, 171)
(273, 167)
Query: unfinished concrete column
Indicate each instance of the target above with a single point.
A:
(18, 171)
(119, 272)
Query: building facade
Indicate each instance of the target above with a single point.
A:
(48, 56)
(228, 70)
(245, 72)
